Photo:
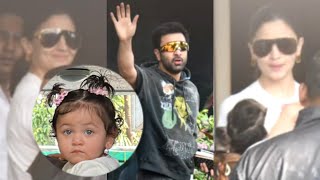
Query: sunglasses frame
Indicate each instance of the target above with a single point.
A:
(176, 44)
(68, 35)
(287, 46)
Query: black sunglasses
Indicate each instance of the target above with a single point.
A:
(263, 47)
(6, 35)
(50, 37)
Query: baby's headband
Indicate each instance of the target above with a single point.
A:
(98, 91)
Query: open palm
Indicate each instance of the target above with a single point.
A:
(125, 28)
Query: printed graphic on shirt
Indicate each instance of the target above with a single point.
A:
(185, 150)
(183, 110)
(177, 121)
(168, 88)
(169, 117)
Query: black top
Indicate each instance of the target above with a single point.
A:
(290, 156)
(170, 109)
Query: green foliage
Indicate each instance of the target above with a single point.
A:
(204, 121)
(40, 122)
(199, 175)
(123, 139)
(205, 125)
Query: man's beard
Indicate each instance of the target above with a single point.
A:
(170, 66)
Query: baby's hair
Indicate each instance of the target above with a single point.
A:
(95, 81)
(88, 99)
(56, 89)
(246, 125)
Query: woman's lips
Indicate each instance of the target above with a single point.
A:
(276, 67)
(59, 54)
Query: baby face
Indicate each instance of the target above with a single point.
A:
(81, 135)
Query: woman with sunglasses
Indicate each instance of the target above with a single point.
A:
(275, 46)
(53, 42)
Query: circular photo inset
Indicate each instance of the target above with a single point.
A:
(87, 120)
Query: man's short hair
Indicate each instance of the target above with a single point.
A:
(167, 28)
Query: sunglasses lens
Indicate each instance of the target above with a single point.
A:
(184, 46)
(262, 48)
(73, 40)
(49, 39)
(287, 45)
(173, 46)
(168, 47)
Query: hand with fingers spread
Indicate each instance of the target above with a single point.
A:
(125, 28)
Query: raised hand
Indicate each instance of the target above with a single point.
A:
(125, 28)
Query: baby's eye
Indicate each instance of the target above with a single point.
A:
(67, 132)
(88, 132)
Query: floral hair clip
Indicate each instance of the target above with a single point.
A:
(99, 91)
(59, 98)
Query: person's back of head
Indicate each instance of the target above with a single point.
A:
(167, 28)
(221, 139)
(310, 95)
(246, 125)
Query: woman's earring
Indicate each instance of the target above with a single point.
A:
(298, 59)
(253, 62)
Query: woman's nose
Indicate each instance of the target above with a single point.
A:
(62, 44)
(275, 52)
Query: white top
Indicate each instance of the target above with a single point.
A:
(22, 147)
(95, 167)
(4, 110)
(256, 92)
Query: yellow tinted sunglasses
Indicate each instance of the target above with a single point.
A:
(175, 45)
